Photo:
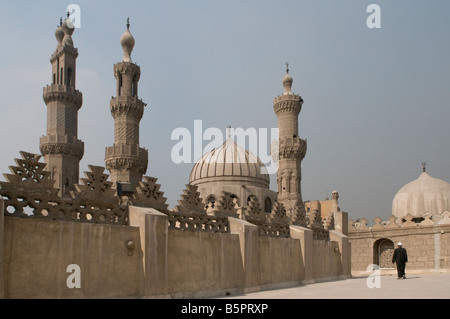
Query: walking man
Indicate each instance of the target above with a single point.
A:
(401, 258)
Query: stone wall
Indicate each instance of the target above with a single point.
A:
(427, 245)
(133, 246)
(38, 253)
(189, 264)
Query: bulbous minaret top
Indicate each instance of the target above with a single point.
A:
(127, 42)
(287, 81)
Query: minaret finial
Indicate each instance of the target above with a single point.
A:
(424, 168)
(68, 14)
(287, 67)
(229, 131)
(128, 23)
(60, 21)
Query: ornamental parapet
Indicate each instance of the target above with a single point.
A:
(287, 103)
(394, 222)
(127, 68)
(126, 156)
(127, 105)
(63, 93)
(288, 97)
(292, 147)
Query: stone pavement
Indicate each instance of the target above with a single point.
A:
(420, 286)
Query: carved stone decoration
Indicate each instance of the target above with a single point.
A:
(298, 216)
(378, 224)
(408, 221)
(226, 206)
(363, 224)
(149, 195)
(445, 219)
(329, 222)
(315, 219)
(253, 211)
(277, 222)
(427, 220)
(190, 201)
(29, 193)
(96, 200)
(317, 227)
(190, 214)
(392, 222)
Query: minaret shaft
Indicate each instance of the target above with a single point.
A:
(61, 147)
(292, 149)
(125, 160)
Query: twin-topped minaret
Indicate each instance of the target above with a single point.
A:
(126, 161)
(292, 149)
(61, 147)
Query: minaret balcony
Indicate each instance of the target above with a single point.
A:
(65, 93)
(292, 148)
(127, 105)
(126, 157)
(61, 145)
(126, 150)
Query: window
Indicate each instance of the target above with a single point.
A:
(69, 76)
(267, 205)
(210, 202)
(133, 86)
(120, 85)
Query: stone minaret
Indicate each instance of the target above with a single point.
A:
(292, 149)
(125, 160)
(61, 147)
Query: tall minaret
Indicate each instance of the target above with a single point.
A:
(292, 149)
(61, 147)
(125, 160)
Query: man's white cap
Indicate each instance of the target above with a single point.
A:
(399, 244)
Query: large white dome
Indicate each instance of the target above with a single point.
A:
(230, 163)
(425, 194)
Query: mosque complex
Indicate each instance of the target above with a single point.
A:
(229, 233)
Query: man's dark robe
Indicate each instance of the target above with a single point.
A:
(401, 258)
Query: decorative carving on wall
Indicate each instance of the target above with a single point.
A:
(30, 193)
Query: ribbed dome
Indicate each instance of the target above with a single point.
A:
(230, 163)
(425, 194)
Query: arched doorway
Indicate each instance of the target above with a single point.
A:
(383, 251)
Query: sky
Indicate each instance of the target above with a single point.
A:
(376, 100)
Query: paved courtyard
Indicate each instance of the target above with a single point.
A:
(421, 286)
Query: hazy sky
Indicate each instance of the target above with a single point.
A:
(376, 100)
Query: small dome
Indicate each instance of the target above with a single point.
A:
(287, 81)
(127, 42)
(230, 163)
(59, 34)
(425, 194)
(68, 28)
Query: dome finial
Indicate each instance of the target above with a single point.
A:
(127, 42)
(424, 168)
(287, 81)
(229, 131)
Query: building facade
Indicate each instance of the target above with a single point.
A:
(420, 220)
